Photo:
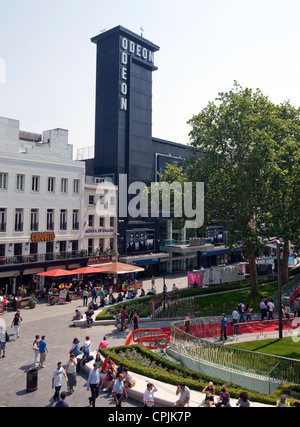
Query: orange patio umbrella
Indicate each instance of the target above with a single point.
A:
(58, 272)
(87, 270)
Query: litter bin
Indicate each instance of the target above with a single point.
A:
(32, 380)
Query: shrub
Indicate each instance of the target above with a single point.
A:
(142, 361)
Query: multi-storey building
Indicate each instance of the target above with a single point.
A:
(41, 204)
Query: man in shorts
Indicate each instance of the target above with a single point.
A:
(43, 349)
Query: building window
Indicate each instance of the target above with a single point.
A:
(76, 186)
(34, 223)
(101, 221)
(51, 185)
(35, 184)
(91, 221)
(19, 220)
(111, 221)
(50, 219)
(2, 220)
(3, 181)
(91, 200)
(90, 246)
(49, 251)
(33, 248)
(64, 185)
(75, 220)
(111, 244)
(75, 245)
(20, 182)
(62, 246)
(101, 246)
(63, 219)
(2, 251)
(17, 249)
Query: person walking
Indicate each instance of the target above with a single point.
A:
(263, 309)
(223, 327)
(94, 295)
(85, 296)
(71, 373)
(93, 383)
(235, 321)
(3, 339)
(62, 403)
(43, 349)
(249, 312)
(123, 318)
(187, 323)
(35, 346)
(241, 310)
(16, 324)
(119, 391)
(271, 308)
(57, 377)
(135, 320)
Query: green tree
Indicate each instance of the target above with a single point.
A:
(282, 217)
(235, 134)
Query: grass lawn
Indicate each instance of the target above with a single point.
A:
(287, 347)
(215, 304)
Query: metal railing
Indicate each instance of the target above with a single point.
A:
(247, 362)
(33, 258)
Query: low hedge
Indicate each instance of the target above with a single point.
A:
(173, 373)
(139, 304)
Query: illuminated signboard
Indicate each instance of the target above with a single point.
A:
(43, 237)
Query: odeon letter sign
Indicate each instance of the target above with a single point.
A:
(129, 47)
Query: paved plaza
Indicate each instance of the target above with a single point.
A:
(55, 323)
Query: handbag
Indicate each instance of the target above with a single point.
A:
(131, 384)
(35, 347)
(7, 337)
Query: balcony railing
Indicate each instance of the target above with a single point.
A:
(34, 258)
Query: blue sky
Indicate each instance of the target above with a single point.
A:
(50, 63)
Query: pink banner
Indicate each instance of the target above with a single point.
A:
(195, 278)
(294, 295)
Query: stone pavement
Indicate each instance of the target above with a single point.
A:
(55, 323)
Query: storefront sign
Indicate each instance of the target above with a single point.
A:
(100, 230)
(62, 296)
(101, 259)
(128, 47)
(43, 237)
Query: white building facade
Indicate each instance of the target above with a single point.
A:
(100, 217)
(41, 204)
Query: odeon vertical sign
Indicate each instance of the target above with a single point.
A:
(128, 47)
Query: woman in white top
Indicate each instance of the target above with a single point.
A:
(149, 395)
(71, 372)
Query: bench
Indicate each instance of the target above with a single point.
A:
(166, 394)
(164, 397)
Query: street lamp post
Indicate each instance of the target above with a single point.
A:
(164, 291)
(279, 288)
